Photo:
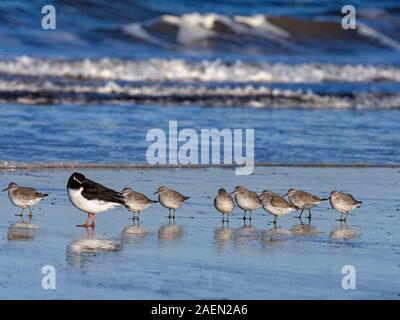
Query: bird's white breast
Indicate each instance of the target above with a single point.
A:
(224, 205)
(169, 202)
(342, 206)
(23, 202)
(278, 211)
(134, 206)
(246, 203)
(91, 206)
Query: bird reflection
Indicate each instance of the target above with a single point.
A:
(223, 235)
(275, 235)
(83, 249)
(133, 232)
(246, 233)
(170, 231)
(22, 230)
(342, 232)
(303, 229)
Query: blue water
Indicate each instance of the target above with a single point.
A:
(96, 29)
(91, 89)
(117, 134)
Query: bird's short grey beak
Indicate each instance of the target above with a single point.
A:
(5, 189)
(156, 192)
(232, 192)
(284, 195)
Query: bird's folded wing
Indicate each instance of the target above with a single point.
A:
(309, 197)
(255, 196)
(28, 193)
(349, 198)
(140, 197)
(280, 202)
(93, 190)
(180, 197)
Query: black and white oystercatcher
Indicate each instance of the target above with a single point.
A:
(92, 197)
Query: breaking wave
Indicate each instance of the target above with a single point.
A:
(204, 71)
(210, 83)
(267, 33)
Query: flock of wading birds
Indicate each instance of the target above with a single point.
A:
(92, 197)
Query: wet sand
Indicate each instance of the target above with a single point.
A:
(196, 258)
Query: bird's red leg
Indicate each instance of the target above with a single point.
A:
(93, 223)
(86, 223)
(91, 234)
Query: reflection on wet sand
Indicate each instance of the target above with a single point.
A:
(170, 231)
(82, 249)
(134, 232)
(245, 234)
(93, 245)
(344, 231)
(301, 229)
(22, 231)
(275, 235)
(223, 235)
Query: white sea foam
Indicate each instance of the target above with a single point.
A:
(260, 26)
(30, 80)
(257, 96)
(204, 71)
(192, 27)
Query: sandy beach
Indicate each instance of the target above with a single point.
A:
(196, 258)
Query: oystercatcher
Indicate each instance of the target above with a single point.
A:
(92, 197)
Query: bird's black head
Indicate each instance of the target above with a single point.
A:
(75, 180)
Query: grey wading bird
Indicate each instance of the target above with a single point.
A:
(24, 197)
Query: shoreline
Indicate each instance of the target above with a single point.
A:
(154, 259)
(76, 165)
